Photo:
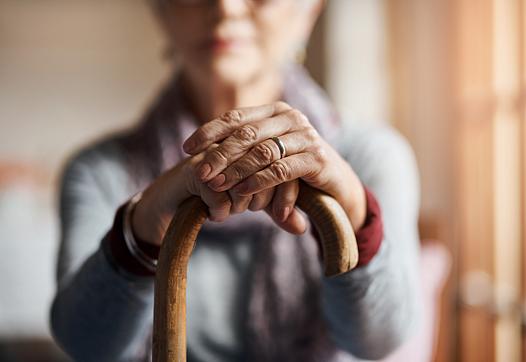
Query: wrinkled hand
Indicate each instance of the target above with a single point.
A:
(245, 162)
(276, 201)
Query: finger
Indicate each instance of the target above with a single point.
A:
(221, 127)
(239, 203)
(261, 200)
(193, 184)
(286, 169)
(284, 199)
(219, 203)
(260, 156)
(247, 136)
(196, 159)
(295, 223)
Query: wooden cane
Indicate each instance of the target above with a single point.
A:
(340, 254)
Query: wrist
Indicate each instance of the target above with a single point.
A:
(351, 195)
(154, 211)
(341, 182)
(117, 251)
(146, 259)
(353, 201)
(144, 225)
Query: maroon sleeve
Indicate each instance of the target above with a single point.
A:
(369, 236)
(119, 252)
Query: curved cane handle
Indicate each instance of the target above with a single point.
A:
(340, 254)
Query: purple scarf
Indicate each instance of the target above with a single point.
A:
(284, 319)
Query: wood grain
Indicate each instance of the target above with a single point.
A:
(340, 254)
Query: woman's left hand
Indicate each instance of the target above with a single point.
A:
(248, 161)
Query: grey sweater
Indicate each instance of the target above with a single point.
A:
(99, 314)
(102, 313)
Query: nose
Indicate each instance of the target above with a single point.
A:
(232, 8)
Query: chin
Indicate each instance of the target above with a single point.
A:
(235, 70)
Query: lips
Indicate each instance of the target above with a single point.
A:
(226, 44)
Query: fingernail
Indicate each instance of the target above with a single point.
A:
(217, 181)
(284, 214)
(188, 145)
(203, 171)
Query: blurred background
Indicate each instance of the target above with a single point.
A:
(448, 74)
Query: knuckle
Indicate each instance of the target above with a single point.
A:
(235, 173)
(264, 153)
(319, 152)
(286, 200)
(281, 106)
(311, 134)
(219, 212)
(257, 203)
(238, 206)
(201, 136)
(299, 118)
(247, 133)
(217, 154)
(276, 209)
(224, 205)
(281, 171)
(289, 196)
(219, 201)
(213, 146)
(231, 117)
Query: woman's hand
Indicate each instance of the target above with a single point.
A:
(277, 201)
(159, 201)
(247, 161)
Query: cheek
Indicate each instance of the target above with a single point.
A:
(185, 32)
(278, 35)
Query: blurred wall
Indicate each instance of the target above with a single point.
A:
(69, 71)
(357, 66)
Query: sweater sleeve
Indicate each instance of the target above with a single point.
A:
(99, 312)
(372, 309)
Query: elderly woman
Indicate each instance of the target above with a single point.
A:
(239, 124)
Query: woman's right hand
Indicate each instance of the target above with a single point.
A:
(160, 199)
